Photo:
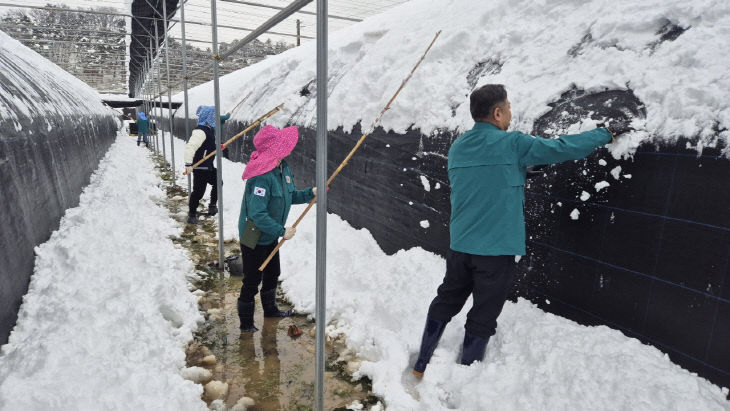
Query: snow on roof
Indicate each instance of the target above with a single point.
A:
(32, 86)
(672, 54)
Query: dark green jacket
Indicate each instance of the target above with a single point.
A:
(143, 125)
(268, 198)
(487, 176)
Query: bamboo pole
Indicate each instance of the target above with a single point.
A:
(352, 152)
(230, 140)
(241, 102)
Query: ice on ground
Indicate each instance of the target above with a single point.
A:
(584, 196)
(425, 224)
(575, 214)
(602, 162)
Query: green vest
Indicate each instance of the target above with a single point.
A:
(487, 168)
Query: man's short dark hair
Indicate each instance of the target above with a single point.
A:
(484, 99)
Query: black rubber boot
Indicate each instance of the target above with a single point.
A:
(193, 219)
(431, 336)
(268, 301)
(474, 347)
(245, 315)
(212, 210)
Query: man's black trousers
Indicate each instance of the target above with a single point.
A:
(487, 278)
(252, 277)
(201, 178)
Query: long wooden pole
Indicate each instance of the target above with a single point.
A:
(230, 140)
(352, 152)
(240, 102)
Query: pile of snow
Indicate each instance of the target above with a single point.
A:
(538, 49)
(108, 312)
(32, 86)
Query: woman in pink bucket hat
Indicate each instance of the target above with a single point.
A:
(267, 198)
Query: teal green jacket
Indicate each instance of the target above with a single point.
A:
(268, 198)
(225, 118)
(487, 168)
(143, 125)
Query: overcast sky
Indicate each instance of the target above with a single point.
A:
(243, 16)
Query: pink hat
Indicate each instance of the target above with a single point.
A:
(272, 144)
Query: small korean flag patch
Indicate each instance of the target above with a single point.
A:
(288, 180)
(261, 192)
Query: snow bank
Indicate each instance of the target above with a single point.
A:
(108, 313)
(535, 361)
(672, 54)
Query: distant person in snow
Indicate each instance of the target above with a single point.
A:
(487, 167)
(202, 142)
(143, 127)
(267, 198)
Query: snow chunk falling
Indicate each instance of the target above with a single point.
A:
(584, 196)
(616, 172)
(426, 183)
(425, 224)
(575, 214)
(602, 185)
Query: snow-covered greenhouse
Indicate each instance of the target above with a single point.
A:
(164, 243)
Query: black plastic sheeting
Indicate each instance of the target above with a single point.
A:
(649, 255)
(143, 28)
(43, 174)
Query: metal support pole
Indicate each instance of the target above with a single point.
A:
(185, 83)
(218, 153)
(299, 32)
(169, 94)
(321, 181)
(159, 94)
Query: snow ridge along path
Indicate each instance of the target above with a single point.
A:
(108, 312)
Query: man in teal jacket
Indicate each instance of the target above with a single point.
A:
(487, 167)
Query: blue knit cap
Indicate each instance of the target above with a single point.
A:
(141, 115)
(206, 116)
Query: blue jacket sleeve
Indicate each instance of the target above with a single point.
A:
(534, 151)
(259, 196)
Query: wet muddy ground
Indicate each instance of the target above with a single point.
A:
(270, 367)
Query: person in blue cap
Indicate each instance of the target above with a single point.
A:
(143, 127)
(200, 144)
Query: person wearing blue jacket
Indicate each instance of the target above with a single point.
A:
(270, 191)
(487, 168)
(143, 127)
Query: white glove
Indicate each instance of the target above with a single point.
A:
(289, 232)
(314, 191)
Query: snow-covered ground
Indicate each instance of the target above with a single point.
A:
(108, 313)
(538, 49)
(536, 361)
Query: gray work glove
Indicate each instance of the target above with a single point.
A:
(289, 232)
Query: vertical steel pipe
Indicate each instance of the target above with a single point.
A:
(321, 181)
(169, 92)
(185, 83)
(159, 95)
(218, 153)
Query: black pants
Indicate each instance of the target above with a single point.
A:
(488, 278)
(252, 277)
(201, 178)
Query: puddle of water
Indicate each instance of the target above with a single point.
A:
(277, 371)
